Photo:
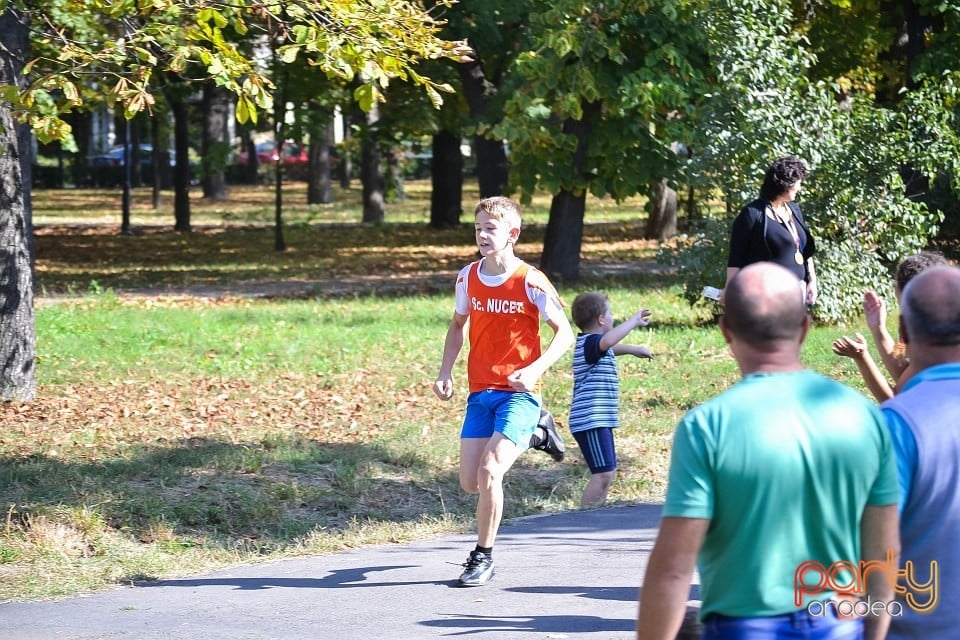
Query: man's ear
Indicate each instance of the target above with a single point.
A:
(904, 334)
(805, 329)
(725, 330)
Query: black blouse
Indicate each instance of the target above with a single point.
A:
(755, 237)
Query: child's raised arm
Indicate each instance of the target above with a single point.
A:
(632, 350)
(875, 312)
(612, 337)
(857, 350)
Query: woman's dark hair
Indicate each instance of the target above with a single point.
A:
(781, 175)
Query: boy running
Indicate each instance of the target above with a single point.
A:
(505, 299)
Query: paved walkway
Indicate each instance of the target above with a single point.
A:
(565, 575)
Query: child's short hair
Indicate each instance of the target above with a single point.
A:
(912, 265)
(500, 208)
(587, 307)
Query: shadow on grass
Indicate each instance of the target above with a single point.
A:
(251, 497)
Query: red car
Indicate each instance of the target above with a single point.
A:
(267, 153)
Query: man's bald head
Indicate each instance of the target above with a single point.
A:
(763, 305)
(930, 307)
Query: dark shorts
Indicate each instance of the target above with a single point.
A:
(598, 449)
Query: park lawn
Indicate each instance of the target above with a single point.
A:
(174, 435)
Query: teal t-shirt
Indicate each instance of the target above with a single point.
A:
(782, 465)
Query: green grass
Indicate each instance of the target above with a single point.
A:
(191, 438)
(173, 435)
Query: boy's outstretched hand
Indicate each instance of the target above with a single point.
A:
(641, 318)
(850, 347)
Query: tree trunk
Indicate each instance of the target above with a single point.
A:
(155, 162)
(662, 223)
(251, 168)
(80, 122)
(370, 173)
(279, 242)
(395, 188)
(691, 205)
(181, 172)
(446, 187)
(319, 182)
(346, 158)
(493, 171)
(18, 341)
(136, 170)
(909, 43)
(216, 108)
(561, 244)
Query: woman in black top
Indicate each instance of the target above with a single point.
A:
(771, 228)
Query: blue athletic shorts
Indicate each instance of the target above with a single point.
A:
(597, 448)
(513, 413)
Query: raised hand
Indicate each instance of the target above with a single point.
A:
(850, 347)
(875, 310)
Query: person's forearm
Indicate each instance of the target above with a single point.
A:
(563, 339)
(885, 346)
(666, 583)
(631, 350)
(618, 333)
(451, 349)
(880, 542)
(876, 383)
(663, 604)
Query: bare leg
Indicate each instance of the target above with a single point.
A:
(495, 460)
(471, 452)
(595, 493)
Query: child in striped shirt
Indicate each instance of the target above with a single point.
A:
(595, 408)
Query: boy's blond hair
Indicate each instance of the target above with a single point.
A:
(500, 208)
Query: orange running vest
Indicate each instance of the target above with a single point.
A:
(504, 329)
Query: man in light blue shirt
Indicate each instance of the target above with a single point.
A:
(924, 423)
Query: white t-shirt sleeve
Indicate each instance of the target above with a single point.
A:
(462, 304)
(541, 293)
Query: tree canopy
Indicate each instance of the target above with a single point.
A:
(112, 51)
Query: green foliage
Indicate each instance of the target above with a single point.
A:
(626, 70)
(844, 272)
(699, 257)
(855, 199)
(125, 44)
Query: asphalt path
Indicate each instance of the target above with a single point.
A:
(566, 575)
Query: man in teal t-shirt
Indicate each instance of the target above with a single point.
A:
(775, 474)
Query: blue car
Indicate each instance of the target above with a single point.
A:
(115, 157)
(106, 168)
